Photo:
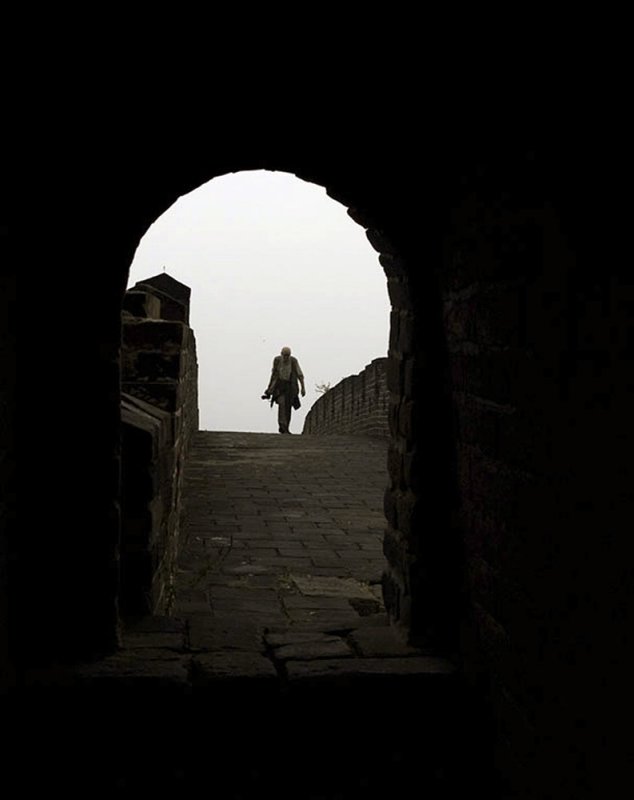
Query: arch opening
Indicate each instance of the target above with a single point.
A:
(269, 260)
(414, 329)
(312, 272)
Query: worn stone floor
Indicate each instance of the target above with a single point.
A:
(281, 560)
(275, 670)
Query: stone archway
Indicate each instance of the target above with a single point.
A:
(536, 332)
(87, 563)
(420, 580)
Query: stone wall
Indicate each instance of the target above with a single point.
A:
(159, 414)
(528, 342)
(504, 391)
(510, 391)
(358, 405)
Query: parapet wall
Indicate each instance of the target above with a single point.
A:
(356, 405)
(159, 414)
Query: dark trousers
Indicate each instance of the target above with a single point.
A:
(284, 402)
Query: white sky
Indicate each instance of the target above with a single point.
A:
(271, 261)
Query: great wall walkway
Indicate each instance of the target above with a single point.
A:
(281, 557)
(276, 671)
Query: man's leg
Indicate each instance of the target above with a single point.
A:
(283, 415)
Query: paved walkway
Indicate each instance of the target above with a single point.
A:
(286, 635)
(282, 545)
(279, 574)
(281, 558)
(276, 671)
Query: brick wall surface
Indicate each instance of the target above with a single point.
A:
(531, 340)
(356, 405)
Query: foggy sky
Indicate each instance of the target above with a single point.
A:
(271, 261)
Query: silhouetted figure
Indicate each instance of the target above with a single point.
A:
(283, 388)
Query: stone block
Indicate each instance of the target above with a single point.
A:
(168, 285)
(166, 395)
(293, 602)
(382, 642)
(407, 333)
(142, 304)
(347, 671)
(311, 651)
(395, 549)
(414, 375)
(151, 366)
(395, 467)
(394, 340)
(393, 266)
(380, 242)
(171, 307)
(160, 335)
(407, 420)
(400, 294)
(213, 635)
(409, 513)
(389, 506)
(392, 593)
(283, 637)
(325, 619)
(394, 374)
(232, 667)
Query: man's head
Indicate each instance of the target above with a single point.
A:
(286, 353)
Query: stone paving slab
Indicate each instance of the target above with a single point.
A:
(310, 651)
(381, 642)
(291, 636)
(336, 669)
(214, 635)
(231, 665)
(312, 586)
(301, 602)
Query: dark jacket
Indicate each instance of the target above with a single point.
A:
(276, 385)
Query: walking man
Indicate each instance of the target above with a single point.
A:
(283, 388)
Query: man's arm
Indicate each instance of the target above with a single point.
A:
(300, 377)
(273, 378)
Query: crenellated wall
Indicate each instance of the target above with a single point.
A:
(159, 414)
(358, 404)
